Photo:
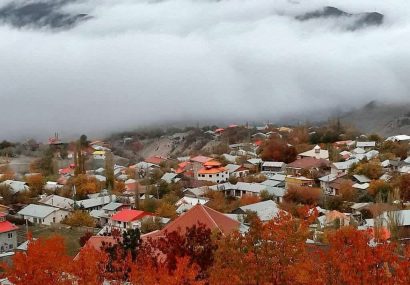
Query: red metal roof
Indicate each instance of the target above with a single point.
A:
(128, 215)
(7, 227)
(212, 219)
(309, 162)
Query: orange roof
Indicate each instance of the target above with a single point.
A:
(155, 159)
(220, 130)
(201, 159)
(96, 242)
(212, 219)
(212, 163)
(213, 170)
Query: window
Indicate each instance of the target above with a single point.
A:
(10, 235)
(217, 175)
(10, 246)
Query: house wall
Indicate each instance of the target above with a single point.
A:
(8, 241)
(216, 178)
(55, 217)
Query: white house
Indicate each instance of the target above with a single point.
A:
(237, 170)
(213, 171)
(316, 152)
(41, 214)
(8, 234)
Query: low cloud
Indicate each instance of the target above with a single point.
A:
(136, 63)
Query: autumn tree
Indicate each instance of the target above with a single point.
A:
(194, 242)
(275, 149)
(270, 253)
(44, 263)
(404, 186)
(35, 183)
(371, 169)
(79, 218)
(303, 195)
(84, 185)
(351, 259)
(347, 192)
(380, 189)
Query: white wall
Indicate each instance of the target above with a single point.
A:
(216, 178)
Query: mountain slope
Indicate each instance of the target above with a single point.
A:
(384, 119)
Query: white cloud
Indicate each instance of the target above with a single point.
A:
(141, 62)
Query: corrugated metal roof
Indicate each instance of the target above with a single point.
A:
(37, 211)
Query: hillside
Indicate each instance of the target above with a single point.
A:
(384, 119)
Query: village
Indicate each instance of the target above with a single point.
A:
(342, 179)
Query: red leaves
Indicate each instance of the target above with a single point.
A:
(270, 253)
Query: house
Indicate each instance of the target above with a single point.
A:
(336, 185)
(342, 167)
(199, 214)
(191, 200)
(273, 166)
(402, 218)
(213, 171)
(170, 177)
(325, 182)
(15, 186)
(52, 186)
(361, 178)
(399, 138)
(41, 214)
(230, 158)
(144, 168)
(95, 203)
(188, 202)
(317, 152)
(58, 202)
(127, 219)
(265, 210)
(298, 181)
(8, 234)
(237, 170)
(156, 159)
(198, 163)
(366, 145)
(309, 164)
(239, 189)
(99, 155)
(196, 192)
(253, 164)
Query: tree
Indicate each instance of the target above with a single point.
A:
(166, 210)
(248, 199)
(271, 253)
(84, 185)
(195, 243)
(404, 186)
(377, 264)
(380, 189)
(43, 263)
(275, 149)
(79, 218)
(371, 169)
(35, 183)
(303, 195)
(347, 191)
